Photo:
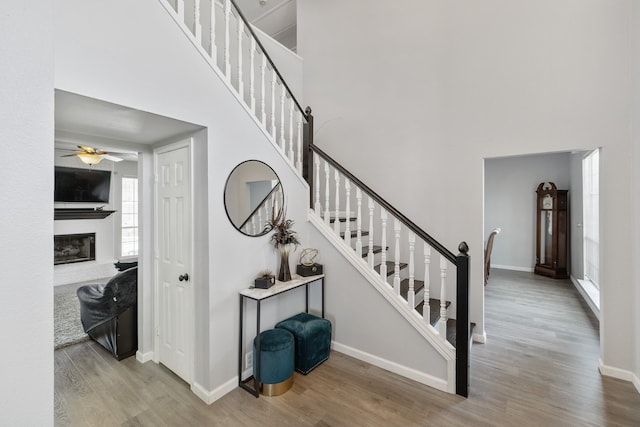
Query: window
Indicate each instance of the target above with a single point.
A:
(129, 212)
(591, 216)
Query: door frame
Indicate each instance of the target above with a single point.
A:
(185, 143)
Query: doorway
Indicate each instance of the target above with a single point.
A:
(174, 292)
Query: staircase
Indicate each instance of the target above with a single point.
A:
(417, 286)
(228, 43)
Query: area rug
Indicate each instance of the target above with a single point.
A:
(66, 314)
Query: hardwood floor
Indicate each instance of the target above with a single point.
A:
(538, 368)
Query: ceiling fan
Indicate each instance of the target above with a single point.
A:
(92, 156)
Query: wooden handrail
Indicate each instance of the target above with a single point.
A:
(264, 51)
(388, 207)
(461, 261)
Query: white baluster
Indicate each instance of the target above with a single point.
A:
(240, 78)
(283, 96)
(347, 198)
(426, 308)
(396, 271)
(370, 253)
(411, 293)
(276, 204)
(273, 104)
(252, 76)
(327, 191)
(272, 201)
(212, 34)
(253, 225)
(180, 9)
(299, 162)
(336, 222)
(227, 39)
(359, 222)
(263, 70)
(443, 297)
(261, 222)
(316, 183)
(291, 104)
(197, 25)
(383, 264)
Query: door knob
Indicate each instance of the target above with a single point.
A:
(184, 277)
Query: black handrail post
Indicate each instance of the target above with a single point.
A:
(307, 157)
(462, 320)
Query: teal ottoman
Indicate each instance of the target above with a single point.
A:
(276, 361)
(313, 339)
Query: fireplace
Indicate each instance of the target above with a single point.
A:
(69, 248)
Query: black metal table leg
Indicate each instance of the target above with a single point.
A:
(256, 381)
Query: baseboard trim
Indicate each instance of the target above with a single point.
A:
(512, 268)
(210, 396)
(620, 374)
(421, 377)
(479, 338)
(586, 297)
(144, 357)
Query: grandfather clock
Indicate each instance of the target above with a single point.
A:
(551, 231)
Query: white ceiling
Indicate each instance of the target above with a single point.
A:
(100, 124)
(277, 18)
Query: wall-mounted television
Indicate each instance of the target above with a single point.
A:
(81, 185)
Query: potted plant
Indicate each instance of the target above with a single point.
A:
(283, 239)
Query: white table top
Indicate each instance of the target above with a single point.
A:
(279, 287)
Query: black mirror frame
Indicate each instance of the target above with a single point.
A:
(265, 231)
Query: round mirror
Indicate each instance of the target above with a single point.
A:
(253, 191)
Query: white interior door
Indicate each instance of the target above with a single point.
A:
(173, 260)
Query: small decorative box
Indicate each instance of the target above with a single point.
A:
(264, 282)
(309, 270)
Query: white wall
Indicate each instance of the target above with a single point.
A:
(165, 75)
(510, 185)
(26, 217)
(635, 25)
(289, 64)
(448, 84)
(366, 326)
(576, 235)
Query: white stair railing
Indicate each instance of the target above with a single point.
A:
(333, 200)
(267, 99)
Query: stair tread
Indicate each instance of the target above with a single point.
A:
(390, 267)
(376, 250)
(404, 287)
(434, 310)
(354, 234)
(332, 219)
(451, 331)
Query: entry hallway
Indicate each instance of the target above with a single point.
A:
(539, 367)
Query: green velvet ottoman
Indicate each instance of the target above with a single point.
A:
(276, 361)
(313, 339)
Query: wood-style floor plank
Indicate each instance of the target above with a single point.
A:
(539, 367)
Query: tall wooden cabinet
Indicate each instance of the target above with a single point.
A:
(552, 220)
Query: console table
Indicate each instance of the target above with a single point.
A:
(259, 295)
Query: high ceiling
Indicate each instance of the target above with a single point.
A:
(277, 18)
(112, 126)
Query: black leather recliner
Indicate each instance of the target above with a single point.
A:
(109, 313)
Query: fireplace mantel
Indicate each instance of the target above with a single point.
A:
(86, 213)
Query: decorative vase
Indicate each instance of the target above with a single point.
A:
(284, 275)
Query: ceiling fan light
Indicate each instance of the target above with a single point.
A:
(89, 159)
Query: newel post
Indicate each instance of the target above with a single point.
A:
(307, 158)
(462, 320)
